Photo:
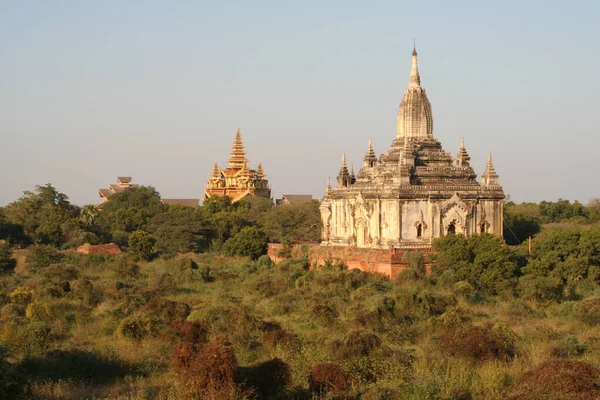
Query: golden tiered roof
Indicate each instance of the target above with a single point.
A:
(238, 180)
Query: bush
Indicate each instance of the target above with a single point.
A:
(7, 262)
(166, 310)
(41, 256)
(589, 312)
(327, 377)
(556, 379)
(212, 370)
(138, 328)
(249, 242)
(478, 343)
(141, 245)
(542, 289)
(278, 337)
(60, 272)
(360, 342)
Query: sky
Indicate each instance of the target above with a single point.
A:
(93, 90)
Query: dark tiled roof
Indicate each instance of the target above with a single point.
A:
(105, 192)
(297, 198)
(183, 202)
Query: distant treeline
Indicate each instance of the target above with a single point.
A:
(137, 217)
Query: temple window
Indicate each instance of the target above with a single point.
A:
(419, 231)
(482, 227)
(451, 229)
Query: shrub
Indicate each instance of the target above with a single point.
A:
(138, 328)
(162, 283)
(360, 342)
(60, 272)
(12, 311)
(21, 296)
(126, 269)
(477, 343)
(83, 289)
(589, 311)
(166, 310)
(327, 377)
(562, 379)
(211, 370)
(7, 262)
(278, 337)
(249, 242)
(323, 313)
(141, 245)
(41, 256)
(542, 289)
(193, 332)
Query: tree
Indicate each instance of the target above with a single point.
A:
(141, 245)
(7, 262)
(520, 221)
(250, 242)
(180, 229)
(293, 223)
(42, 214)
(130, 210)
(482, 260)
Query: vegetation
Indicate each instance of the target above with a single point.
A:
(194, 309)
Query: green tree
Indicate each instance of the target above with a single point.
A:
(250, 241)
(180, 229)
(521, 221)
(483, 260)
(293, 223)
(7, 262)
(42, 215)
(141, 245)
(128, 211)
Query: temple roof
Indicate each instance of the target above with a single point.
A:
(415, 160)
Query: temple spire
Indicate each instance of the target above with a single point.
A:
(238, 155)
(489, 177)
(343, 177)
(462, 158)
(260, 174)
(215, 172)
(415, 79)
(328, 187)
(370, 159)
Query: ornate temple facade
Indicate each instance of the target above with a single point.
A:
(238, 180)
(414, 192)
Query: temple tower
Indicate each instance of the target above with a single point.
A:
(238, 180)
(415, 191)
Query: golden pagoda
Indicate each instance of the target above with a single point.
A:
(237, 180)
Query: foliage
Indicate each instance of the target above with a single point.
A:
(180, 229)
(293, 223)
(130, 210)
(562, 379)
(42, 256)
(327, 377)
(141, 245)
(482, 260)
(249, 242)
(7, 262)
(42, 215)
(12, 383)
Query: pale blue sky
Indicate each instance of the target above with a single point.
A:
(90, 90)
